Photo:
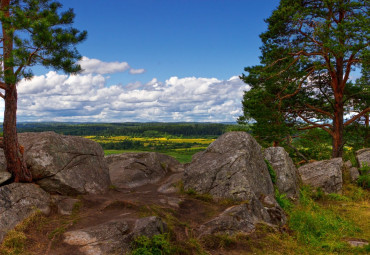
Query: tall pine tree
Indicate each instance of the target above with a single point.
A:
(33, 32)
(308, 53)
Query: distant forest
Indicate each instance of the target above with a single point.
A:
(211, 130)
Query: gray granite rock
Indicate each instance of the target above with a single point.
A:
(287, 178)
(363, 157)
(105, 238)
(169, 184)
(243, 219)
(66, 165)
(231, 167)
(113, 237)
(130, 170)
(326, 174)
(19, 201)
(354, 173)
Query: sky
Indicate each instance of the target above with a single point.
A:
(152, 60)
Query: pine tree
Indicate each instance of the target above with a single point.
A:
(308, 54)
(34, 32)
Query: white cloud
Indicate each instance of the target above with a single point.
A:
(137, 71)
(97, 66)
(56, 97)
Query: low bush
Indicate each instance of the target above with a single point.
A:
(157, 245)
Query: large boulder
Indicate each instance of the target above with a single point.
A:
(129, 170)
(243, 218)
(231, 167)
(363, 157)
(19, 201)
(66, 165)
(287, 178)
(326, 174)
(113, 237)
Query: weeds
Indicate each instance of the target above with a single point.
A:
(364, 178)
(271, 171)
(15, 240)
(157, 245)
(283, 201)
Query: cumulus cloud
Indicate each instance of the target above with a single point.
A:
(56, 97)
(137, 71)
(97, 66)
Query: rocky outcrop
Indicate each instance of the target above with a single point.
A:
(130, 170)
(113, 237)
(17, 202)
(287, 178)
(363, 157)
(105, 238)
(326, 174)
(243, 219)
(169, 185)
(231, 167)
(66, 165)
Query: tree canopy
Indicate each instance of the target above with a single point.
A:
(304, 80)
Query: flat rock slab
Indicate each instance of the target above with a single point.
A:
(98, 240)
(243, 219)
(113, 237)
(66, 165)
(287, 178)
(19, 201)
(326, 174)
(129, 170)
(231, 167)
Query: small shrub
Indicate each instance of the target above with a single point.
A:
(283, 201)
(364, 179)
(157, 245)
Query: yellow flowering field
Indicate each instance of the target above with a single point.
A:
(159, 140)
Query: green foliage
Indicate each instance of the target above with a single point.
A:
(283, 201)
(157, 245)
(364, 178)
(40, 33)
(319, 227)
(271, 171)
(193, 130)
(239, 127)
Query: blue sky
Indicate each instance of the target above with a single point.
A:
(153, 60)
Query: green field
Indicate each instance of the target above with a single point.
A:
(180, 148)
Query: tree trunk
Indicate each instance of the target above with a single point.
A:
(337, 137)
(14, 156)
(15, 162)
